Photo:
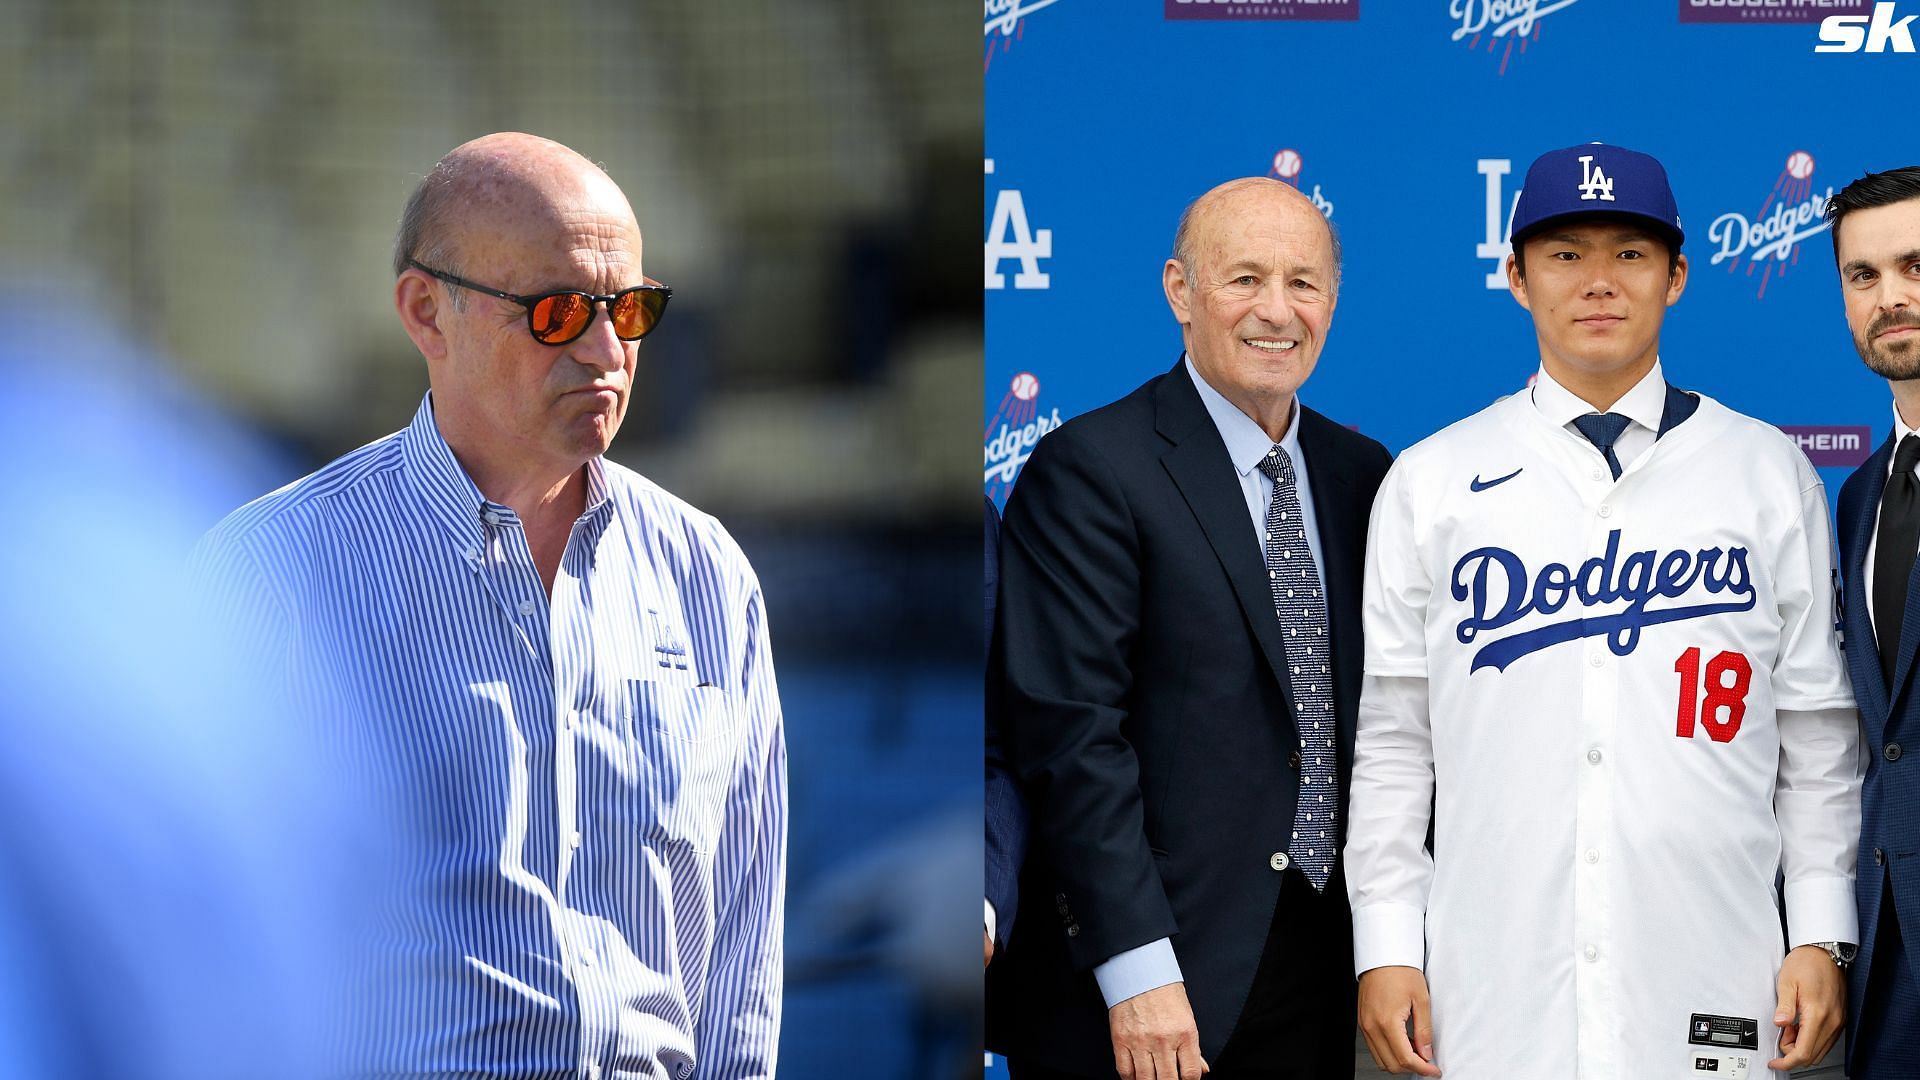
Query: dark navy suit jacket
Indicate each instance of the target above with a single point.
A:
(1889, 716)
(1006, 813)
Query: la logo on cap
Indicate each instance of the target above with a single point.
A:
(1595, 183)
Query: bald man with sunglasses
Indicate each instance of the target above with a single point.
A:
(552, 677)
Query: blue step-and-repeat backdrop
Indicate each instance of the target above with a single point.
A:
(1410, 124)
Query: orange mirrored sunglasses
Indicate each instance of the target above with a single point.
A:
(561, 316)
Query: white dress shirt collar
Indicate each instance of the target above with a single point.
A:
(1247, 443)
(1645, 404)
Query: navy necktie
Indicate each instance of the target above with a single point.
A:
(1894, 544)
(1603, 430)
(1303, 628)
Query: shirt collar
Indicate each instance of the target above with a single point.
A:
(452, 495)
(1900, 431)
(1247, 443)
(1645, 404)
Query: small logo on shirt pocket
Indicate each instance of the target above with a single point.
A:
(686, 738)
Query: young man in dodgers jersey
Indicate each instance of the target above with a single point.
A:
(1600, 654)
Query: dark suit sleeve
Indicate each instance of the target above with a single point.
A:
(1069, 616)
(1006, 813)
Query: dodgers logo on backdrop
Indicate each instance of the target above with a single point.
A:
(1006, 20)
(1009, 236)
(1502, 22)
(1287, 166)
(1879, 32)
(1839, 446)
(1499, 591)
(1768, 11)
(1316, 10)
(1016, 428)
(1771, 238)
(1498, 243)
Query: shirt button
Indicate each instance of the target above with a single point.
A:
(593, 1072)
(473, 553)
(1605, 510)
(1593, 856)
(1593, 756)
(1591, 953)
(573, 838)
(1278, 860)
(490, 518)
(586, 957)
(526, 607)
(1892, 752)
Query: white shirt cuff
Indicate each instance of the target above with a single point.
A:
(1821, 909)
(1389, 935)
(992, 923)
(1136, 971)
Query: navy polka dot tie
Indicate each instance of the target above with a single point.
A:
(1303, 626)
(1603, 430)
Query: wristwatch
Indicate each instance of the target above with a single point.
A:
(1842, 952)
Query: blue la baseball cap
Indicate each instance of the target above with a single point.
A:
(1596, 180)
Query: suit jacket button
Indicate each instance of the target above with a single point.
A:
(1879, 857)
(1295, 759)
(1073, 930)
(1892, 752)
(1278, 860)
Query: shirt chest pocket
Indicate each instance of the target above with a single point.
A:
(686, 740)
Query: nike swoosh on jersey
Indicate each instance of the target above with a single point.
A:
(1482, 485)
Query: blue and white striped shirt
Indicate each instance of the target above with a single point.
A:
(587, 795)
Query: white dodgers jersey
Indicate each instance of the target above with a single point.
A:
(1606, 662)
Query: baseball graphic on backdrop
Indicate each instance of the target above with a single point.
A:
(1286, 164)
(1799, 164)
(1025, 386)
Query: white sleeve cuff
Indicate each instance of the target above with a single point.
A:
(1389, 935)
(1821, 909)
(1136, 971)
(992, 923)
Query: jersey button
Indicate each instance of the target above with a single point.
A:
(1593, 856)
(1892, 752)
(1605, 510)
(1591, 953)
(1593, 756)
(1278, 860)
(1596, 661)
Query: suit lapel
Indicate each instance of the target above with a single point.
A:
(1201, 469)
(1863, 656)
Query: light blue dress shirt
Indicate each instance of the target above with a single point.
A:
(1153, 965)
(585, 795)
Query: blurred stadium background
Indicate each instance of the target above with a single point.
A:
(219, 180)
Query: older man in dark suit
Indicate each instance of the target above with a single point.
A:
(1179, 649)
(1876, 242)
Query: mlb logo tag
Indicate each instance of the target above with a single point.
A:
(1594, 183)
(1699, 1027)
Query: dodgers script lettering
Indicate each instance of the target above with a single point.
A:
(1499, 591)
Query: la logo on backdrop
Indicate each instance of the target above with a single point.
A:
(1502, 23)
(1016, 428)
